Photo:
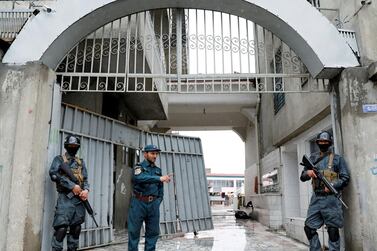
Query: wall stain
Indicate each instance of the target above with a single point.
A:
(32, 240)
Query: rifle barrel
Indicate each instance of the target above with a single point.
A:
(86, 203)
(306, 162)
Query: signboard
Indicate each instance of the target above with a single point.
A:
(370, 108)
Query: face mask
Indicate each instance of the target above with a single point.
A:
(72, 150)
(324, 148)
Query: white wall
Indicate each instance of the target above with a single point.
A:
(251, 159)
(290, 183)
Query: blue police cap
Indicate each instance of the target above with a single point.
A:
(151, 148)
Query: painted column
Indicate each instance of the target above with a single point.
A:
(358, 132)
(25, 109)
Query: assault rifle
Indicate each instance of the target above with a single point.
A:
(65, 169)
(308, 164)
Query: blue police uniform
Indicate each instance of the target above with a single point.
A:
(145, 204)
(325, 208)
(70, 212)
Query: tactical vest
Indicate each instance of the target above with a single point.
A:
(328, 173)
(77, 172)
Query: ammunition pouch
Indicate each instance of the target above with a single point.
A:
(330, 175)
(77, 172)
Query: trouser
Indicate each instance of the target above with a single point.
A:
(324, 210)
(149, 212)
(69, 215)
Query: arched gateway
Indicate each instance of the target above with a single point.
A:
(83, 40)
(49, 36)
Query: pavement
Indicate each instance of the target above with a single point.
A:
(228, 234)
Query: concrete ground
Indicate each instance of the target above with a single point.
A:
(228, 234)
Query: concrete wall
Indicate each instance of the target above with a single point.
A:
(365, 25)
(266, 121)
(251, 159)
(267, 206)
(361, 19)
(300, 112)
(359, 132)
(268, 209)
(25, 109)
(250, 173)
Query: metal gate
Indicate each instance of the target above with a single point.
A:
(97, 151)
(185, 207)
(184, 51)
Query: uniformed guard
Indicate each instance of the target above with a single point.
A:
(70, 211)
(146, 199)
(324, 207)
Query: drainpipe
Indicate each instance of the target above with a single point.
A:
(256, 124)
(335, 116)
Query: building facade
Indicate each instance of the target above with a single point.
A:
(288, 123)
(119, 80)
(223, 188)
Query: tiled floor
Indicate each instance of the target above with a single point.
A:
(228, 234)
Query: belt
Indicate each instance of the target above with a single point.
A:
(145, 198)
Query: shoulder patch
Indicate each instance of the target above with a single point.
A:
(138, 170)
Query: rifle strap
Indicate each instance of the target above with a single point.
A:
(331, 160)
(77, 173)
(65, 160)
(319, 160)
(78, 160)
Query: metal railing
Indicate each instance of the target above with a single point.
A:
(11, 22)
(182, 51)
(350, 38)
(333, 15)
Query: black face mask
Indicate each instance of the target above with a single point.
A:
(72, 150)
(324, 148)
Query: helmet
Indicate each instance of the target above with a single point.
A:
(72, 144)
(326, 136)
(151, 148)
(72, 140)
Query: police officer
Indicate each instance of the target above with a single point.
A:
(145, 202)
(70, 212)
(324, 207)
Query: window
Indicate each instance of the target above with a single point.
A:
(270, 182)
(279, 97)
(239, 183)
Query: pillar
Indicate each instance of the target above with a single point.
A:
(25, 110)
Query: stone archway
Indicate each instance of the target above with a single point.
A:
(48, 36)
